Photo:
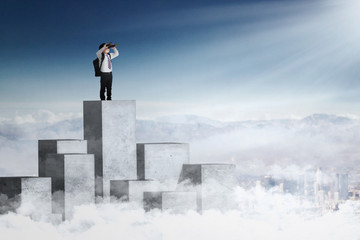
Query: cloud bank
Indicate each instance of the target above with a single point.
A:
(259, 215)
(256, 147)
(19, 136)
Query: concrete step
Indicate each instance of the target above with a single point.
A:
(171, 201)
(73, 181)
(132, 190)
(109, 128)
(29, 195)
(61, 146)
(213, 182)
(161, 161)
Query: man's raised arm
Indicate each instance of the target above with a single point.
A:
(98, 53)
(115, 53)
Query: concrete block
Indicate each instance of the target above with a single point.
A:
(171, 201)
(109, 128)
(79, 182)
(56, 219)
(132, 190)
(213, 183)
(30, 196)
(73, 181)
(161, 161)
(60, 146)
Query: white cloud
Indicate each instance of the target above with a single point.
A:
(19, 136)
(255, 146)
(260, 215)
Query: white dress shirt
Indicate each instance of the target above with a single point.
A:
(105, 64)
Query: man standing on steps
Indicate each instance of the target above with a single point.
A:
(106, 68)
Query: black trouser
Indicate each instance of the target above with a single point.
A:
(105, 82)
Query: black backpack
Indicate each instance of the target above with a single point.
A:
(96, 64)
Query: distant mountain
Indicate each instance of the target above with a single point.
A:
(318, 139)
(192, 127)
(189, 119)
(175, 127)
(319, 119)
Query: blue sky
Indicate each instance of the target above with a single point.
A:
(228, 60)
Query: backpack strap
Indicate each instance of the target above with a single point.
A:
(102, 59)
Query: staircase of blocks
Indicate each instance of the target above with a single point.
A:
(108, 166)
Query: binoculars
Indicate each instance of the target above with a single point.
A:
(110, 45)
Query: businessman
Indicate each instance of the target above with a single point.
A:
(106, 69)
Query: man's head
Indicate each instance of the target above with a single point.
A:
(106, 50)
